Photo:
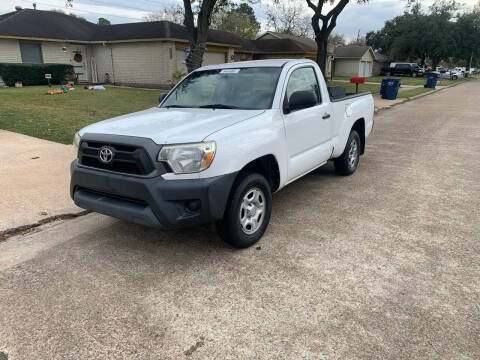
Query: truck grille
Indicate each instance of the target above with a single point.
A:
(126, 159)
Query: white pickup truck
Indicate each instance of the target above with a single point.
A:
(218, 145)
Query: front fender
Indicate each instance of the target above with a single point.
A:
(247, 141)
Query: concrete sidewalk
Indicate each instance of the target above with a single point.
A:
(34, 180)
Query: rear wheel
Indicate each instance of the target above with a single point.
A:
(347, 163)
(248, 211)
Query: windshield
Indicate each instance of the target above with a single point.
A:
(242, 88)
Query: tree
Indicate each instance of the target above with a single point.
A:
(359, 40)
(197, 34)
(173, 13)
(420, 35)
(238, 19)
(103, 22)
(467, 37)
(323, 25)
(289, 17)
(337, 40)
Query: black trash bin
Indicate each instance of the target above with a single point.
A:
(389, 88)
(432, 79)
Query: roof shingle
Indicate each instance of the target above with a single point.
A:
(351, 51)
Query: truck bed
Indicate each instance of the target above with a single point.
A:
(338, 93)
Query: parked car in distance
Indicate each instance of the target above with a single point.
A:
(450, 74)
(406, 69)
(218, 145)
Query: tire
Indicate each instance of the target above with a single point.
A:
(454, 77)
(414, 75)
(347, 164)
(250, 199)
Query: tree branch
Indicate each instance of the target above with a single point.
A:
(312, 6)
(189, 22)
(334, 15)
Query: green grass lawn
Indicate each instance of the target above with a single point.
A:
(30, 111)
(413, 92)
(374, 89)
(405, 80)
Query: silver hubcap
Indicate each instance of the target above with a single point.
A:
(252, 211)
(353, 153)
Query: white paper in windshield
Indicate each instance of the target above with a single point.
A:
(230, 71)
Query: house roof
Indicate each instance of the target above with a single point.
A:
(309, 44)
(351, 51)
(45, 24)
(39, 24)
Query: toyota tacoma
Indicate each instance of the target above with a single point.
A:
(217, 147)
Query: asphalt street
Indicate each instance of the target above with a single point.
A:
(384, 264)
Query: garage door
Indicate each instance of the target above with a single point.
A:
(365, 68)
(213, 58)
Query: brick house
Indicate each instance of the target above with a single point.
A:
(147, 54)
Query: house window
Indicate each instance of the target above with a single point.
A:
(170, 52)
(31, 52)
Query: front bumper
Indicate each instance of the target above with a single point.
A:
(154, 202)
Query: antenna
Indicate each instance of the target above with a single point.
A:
(34, 6)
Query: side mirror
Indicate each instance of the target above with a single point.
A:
(162, 97)
(300, 100)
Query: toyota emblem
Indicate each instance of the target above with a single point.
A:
(105, 155)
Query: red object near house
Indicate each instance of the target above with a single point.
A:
(357, 80)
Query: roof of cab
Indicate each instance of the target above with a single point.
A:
(257, 63)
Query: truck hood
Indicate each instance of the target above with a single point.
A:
(171, 126)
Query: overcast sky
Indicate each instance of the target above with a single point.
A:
(354, 18)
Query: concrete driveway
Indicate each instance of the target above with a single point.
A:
(34, 180)
(381, 265)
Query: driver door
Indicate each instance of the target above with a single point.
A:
(308, 130)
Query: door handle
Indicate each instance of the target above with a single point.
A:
(326, 116)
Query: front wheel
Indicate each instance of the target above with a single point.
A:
(248, 211)
(347, 163)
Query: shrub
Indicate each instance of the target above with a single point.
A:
(34, 74)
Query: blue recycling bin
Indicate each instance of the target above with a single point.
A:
(432, 79)
(389, 88)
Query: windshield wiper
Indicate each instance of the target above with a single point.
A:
(174, 106)
(218, 106)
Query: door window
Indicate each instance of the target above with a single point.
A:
(303, 79)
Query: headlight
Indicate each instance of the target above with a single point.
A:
(76, 140)
(188, 158)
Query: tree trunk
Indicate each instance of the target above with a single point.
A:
(195, 57)
(322, 45)
(197, 35)
(329, 21)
